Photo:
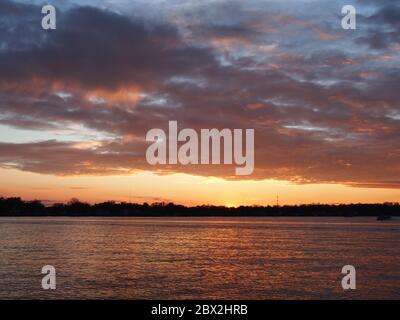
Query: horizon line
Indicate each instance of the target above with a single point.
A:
(49, 203)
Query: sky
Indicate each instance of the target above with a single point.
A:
(76, 102)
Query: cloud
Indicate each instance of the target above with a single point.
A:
(99, 52)
(322, 106)
(383, 27)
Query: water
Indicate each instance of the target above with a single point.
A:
(199, 258)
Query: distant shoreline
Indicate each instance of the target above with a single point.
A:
(15, 207)
(192, 216)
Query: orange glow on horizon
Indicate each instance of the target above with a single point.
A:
(182, 189)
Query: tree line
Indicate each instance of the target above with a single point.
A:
(18, 207)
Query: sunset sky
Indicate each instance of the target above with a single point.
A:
(76, 102)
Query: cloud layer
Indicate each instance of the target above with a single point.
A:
(324, 102)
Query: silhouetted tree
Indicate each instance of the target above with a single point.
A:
(17, 207)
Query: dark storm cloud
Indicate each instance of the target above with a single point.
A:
(383, 25)
(96, 48)
(324, 109)
(17, 23)
(390, 15)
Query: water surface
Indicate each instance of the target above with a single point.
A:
(199, 258)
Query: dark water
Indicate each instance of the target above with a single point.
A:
(213, 258)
